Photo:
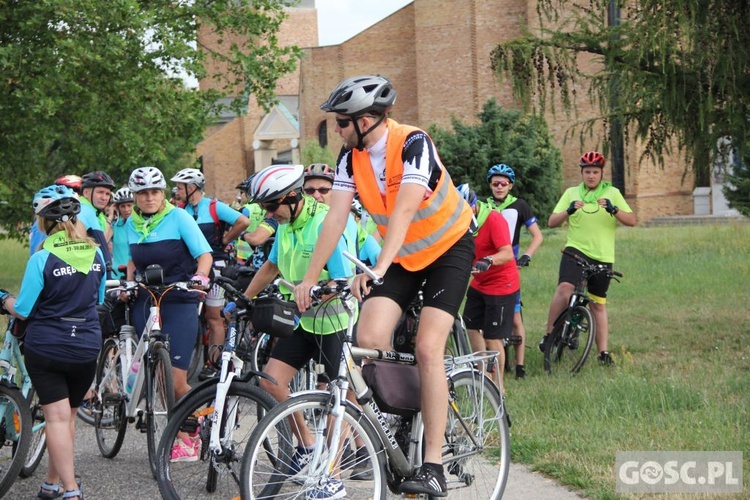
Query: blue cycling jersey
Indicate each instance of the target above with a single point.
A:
(227, 216)
(60, 304)
(173, 244)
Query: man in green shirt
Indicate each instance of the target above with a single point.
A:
(592, 210)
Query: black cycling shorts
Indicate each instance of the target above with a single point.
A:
(55, 380)
(493, 314)
(303, 346)
(445, 280)
(571, 272)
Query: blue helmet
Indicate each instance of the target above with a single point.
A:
(467, 194)
(58, 203)
(502, 169)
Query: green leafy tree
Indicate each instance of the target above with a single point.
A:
(737, 189)
(521, 141)
(92, 85)
(313, 152)
(671, 71)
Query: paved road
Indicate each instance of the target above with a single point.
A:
(128, 477)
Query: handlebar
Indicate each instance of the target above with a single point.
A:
(376, 280)
(591, 268)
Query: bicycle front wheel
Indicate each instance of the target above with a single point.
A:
(267, 470)
(109, 412)
(570, 341)
(206, 474)
(476, 448)
(15, 435)
(160, 402)
(38, 436)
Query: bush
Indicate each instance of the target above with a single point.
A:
(521, 141)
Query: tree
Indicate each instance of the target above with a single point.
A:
(91, 85)
(672, 71)
(737, 188)
(519, 140)
(315, 153)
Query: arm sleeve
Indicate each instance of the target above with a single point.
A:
(338, 265)
(421, 164)
(32, 283)
(500, 233)
(274, 255)
(103, 284)
(344, 175)
(226, 213)
(564, 202)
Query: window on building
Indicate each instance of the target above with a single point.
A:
(323, 134)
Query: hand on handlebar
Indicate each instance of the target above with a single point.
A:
(200, 282)
(302, 296)
(361, 286)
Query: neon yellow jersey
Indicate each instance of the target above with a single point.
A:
(256, 215)
(591, 229)
(291, 253)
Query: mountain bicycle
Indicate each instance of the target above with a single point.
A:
(130, 370)
(16, 422)
(476, 447)
(574, 331)
(221, 412)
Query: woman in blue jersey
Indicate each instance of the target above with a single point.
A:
(61, 287)
(158, 233)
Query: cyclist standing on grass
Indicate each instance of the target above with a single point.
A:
(517, 213)
(278, 189)
(425, 226)
(61, 287)
(592, 210)
(221, 225)
(492, 294)
(159, 233)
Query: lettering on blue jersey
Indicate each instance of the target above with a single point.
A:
(69, 270)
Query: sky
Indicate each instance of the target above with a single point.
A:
(339, 20)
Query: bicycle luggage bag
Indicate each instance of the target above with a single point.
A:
(274, 316)
(395, 386)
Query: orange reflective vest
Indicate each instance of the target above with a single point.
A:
(440, 220)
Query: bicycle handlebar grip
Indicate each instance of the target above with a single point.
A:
(617, 273)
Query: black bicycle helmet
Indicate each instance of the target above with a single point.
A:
(361, 95)
(97, 179)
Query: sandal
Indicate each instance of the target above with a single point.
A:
(73, 494)
(49, 491)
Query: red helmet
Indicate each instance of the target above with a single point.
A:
(592, 159)
(74, 182)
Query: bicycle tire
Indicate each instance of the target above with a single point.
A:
(189, 479)
(15, 435)
(197, 358)
(159, 402)
(110, 420)
(38, 437)
(261, 352)
(483, 473)
(265, 474)
(459, 339)
(578, 324)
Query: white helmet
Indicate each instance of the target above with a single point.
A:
(360, 95)
(190, 176)
(276, 181)
(123, 195)
(146, 178)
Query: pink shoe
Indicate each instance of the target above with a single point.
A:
(184, 451)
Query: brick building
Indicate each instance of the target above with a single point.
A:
(436, 53)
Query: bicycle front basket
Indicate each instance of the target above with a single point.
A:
(274, 316)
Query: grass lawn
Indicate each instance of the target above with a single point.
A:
(680, 335)
(679, 325)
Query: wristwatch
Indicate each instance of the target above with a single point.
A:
(489, 258)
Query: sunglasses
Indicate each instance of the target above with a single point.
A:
(500, 183)
(344, 122)
(272, 206)
(311, 190)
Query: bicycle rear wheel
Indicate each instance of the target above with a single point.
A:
(458, 340)
(570, 341)
(209, 475)
(15, 435)
(266, 466)
(160, 401)
(109, 412)
(476, 449)
(38, 436)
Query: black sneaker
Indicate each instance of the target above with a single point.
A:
(606, 359)
(543, 343)
(206, 373)
(520, 372)
(426, 482)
